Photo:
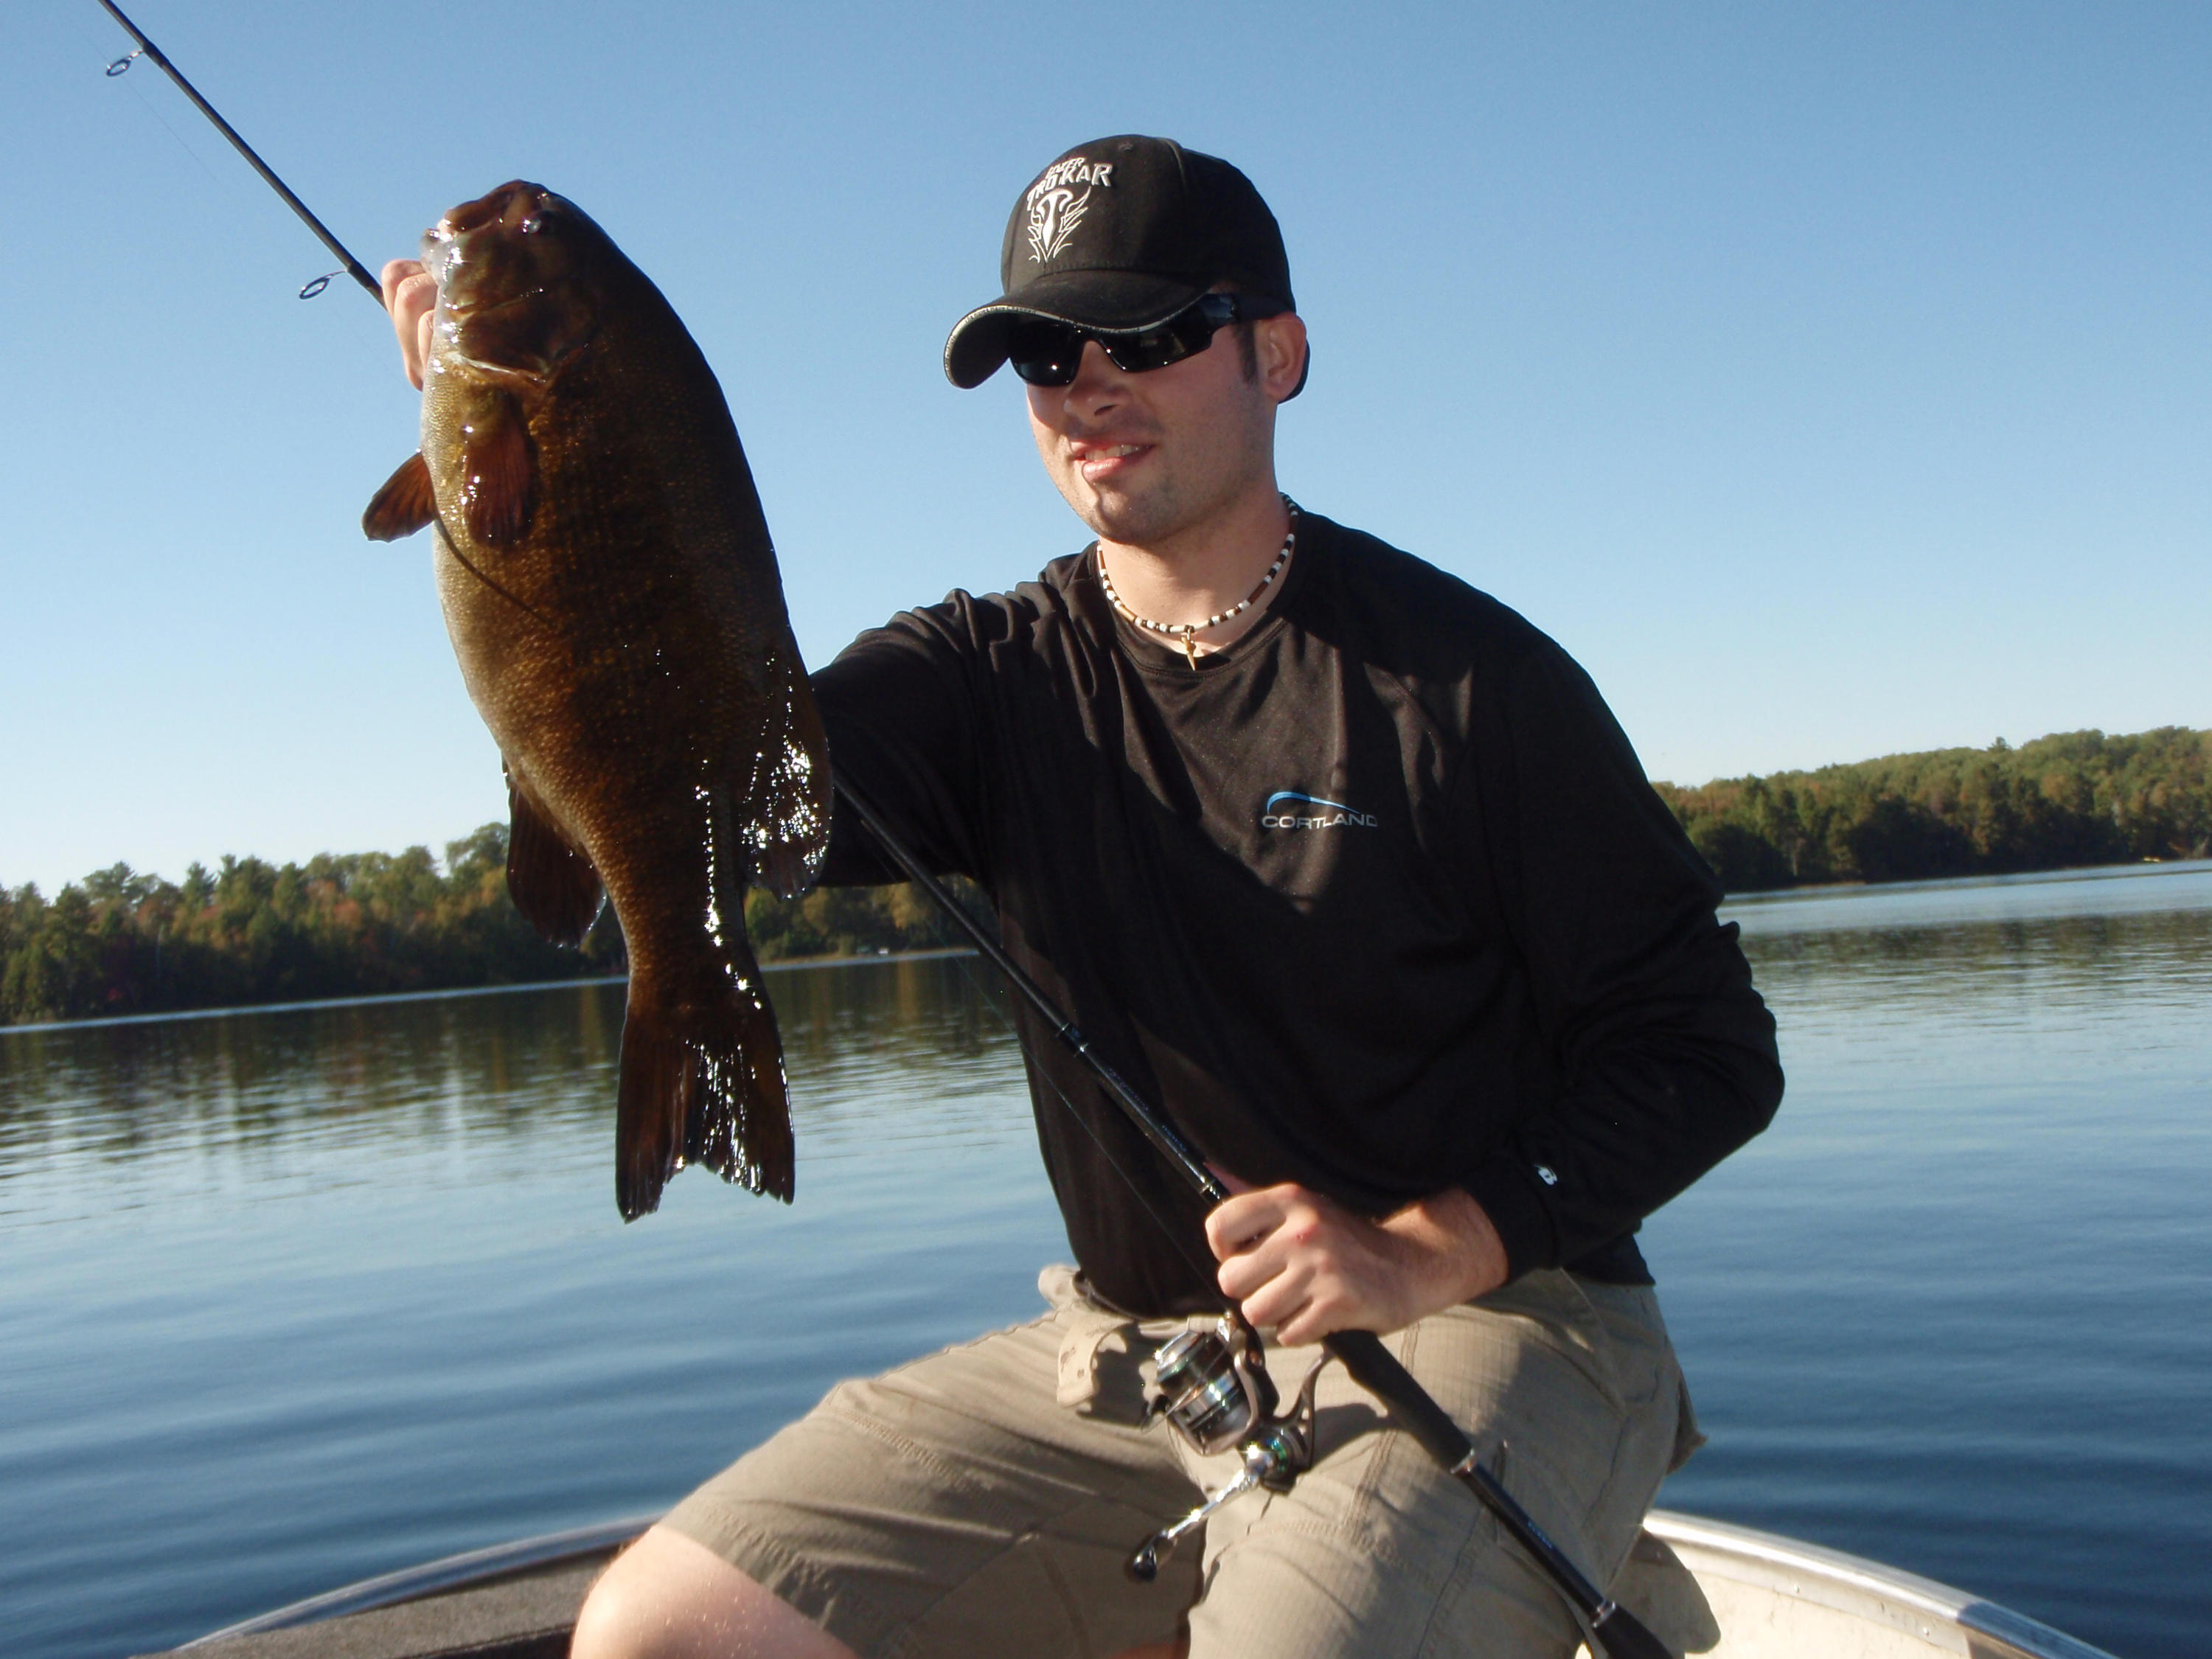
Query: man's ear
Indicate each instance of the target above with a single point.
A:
(1280, 342)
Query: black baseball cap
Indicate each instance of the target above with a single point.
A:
(1120, 234)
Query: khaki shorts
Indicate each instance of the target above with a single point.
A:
(981, 1501)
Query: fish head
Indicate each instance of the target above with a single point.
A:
(518, 273)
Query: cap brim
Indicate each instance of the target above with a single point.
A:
(1109, 300)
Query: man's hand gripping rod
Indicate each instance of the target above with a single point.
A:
(1373, 1367)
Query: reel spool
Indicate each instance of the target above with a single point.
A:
(1214, 1385)
(1215, 1392)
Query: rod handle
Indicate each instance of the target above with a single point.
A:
(1413, 1409)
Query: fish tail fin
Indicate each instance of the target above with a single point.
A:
(702, 1083)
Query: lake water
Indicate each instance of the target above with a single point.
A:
(289, 1298)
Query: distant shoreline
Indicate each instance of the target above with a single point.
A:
(123, 943)
(1829, 891)
(854, 960)
(2010, 879)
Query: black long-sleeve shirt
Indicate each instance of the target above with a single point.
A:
(1377, 900)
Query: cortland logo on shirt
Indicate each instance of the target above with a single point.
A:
(1329, 814)
(1055, 209)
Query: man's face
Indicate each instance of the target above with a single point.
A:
(1143, 457)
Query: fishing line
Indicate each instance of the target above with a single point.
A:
(1175, 1234)
(349, 265)
(147, 104)
(445, 541)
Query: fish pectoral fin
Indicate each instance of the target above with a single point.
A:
(552, 884)
(499, 472)
(788, 807)
(405, 505)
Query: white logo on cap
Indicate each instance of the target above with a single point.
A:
(1055, 208)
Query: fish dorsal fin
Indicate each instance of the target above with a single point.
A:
(405, 505)
(552, 884)
(788, 805)
(499, 472)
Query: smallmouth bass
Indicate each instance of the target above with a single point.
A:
(610, 590)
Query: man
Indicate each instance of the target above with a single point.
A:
(1350, 868)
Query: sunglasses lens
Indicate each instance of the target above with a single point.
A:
(1049, 353)
(1154, 348)
(1045, 354)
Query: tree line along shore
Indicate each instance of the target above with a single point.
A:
(2067, 801)
(365, 924)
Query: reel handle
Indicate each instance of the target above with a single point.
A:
(1144, 1563)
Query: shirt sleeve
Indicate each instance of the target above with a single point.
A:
(900, 708)
(1664, 1052)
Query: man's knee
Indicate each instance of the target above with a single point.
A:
(666, 1597)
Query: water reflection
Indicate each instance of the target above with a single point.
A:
(1954, 1309)
(489, 1071)
(2005, 997)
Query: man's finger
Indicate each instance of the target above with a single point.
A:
(410, 295)
(1235, 1223)
(1281, 1298)
(1243, 1272)
(395, 272)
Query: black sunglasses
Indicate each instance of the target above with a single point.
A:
(1047, 353)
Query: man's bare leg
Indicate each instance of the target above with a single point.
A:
(666, 1597)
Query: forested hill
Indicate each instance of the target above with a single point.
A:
(360, 924)
(2064, 801)
(366, 923)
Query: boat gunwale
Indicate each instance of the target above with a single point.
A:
(2020, 1635)
(470, 1570)
(2021, 1638)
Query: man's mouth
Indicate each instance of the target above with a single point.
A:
(1101, 462)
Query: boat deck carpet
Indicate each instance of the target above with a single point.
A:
(528, 1616)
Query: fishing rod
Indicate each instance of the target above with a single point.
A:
(1277, 1448)
(1374, 1367)
(352, 267)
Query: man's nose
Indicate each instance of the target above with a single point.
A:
(1098, 383)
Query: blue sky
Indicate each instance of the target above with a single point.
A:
(1831, 380)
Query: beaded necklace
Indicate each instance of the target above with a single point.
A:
(1184, 634)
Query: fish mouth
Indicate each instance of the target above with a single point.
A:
(475, 254)
(511, 204)
(514, 294)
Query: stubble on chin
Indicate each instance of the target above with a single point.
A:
(1134, 519)
(1117, 514)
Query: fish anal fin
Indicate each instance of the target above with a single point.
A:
(499, 472)
(552, 884)
(702, 1083)
(786, 810)
(405, 505)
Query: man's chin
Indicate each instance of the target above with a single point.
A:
(1130, 518)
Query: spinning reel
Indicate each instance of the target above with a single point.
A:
(1215, 1392)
